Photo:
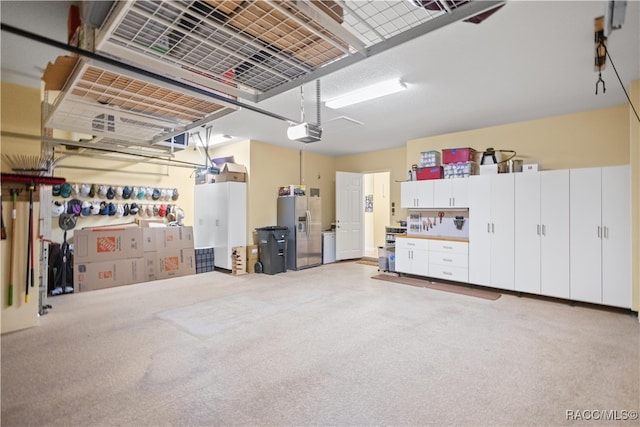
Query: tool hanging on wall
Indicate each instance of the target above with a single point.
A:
(4, 230)
(30, 245)
(29, 170)
(14, 197)
(600, 41)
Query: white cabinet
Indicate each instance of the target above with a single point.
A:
(220, 219)
(542, 233)
(491, 230)
(449, 260)
(601, 235)
(412, 256)
(451, 193)
(416, 194)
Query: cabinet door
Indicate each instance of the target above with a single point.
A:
(403, 256)
(203, 216)
(408, 194)
(554, 242)
(460, 192)
(479, 230)
(424, 193)
(616, 236)
(420, 262)
(502, 229)
(527, 232)
(442, 189)
(585, 234)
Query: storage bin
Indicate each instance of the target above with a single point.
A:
(430, 158)
(429, 173)
(458, 155)
(460, 170)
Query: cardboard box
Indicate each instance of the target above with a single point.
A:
(436, 172)
(170, 263)
(252, 258)
(161, 238)
(174, 238)
(151, 222)
(90, 276)
(104, 244)
(457, 155)
(232, 172)
(149, 238)
(55, 75)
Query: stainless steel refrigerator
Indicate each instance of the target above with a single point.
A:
(301, 215)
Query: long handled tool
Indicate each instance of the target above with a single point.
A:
(14, 197)
(3, 236)
(30, 187)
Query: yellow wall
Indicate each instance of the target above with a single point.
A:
(634, 142)
(20, 112)
(596, 138)
(593, 138)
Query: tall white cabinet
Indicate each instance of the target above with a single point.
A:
(491, 230)
(542, 233)
(220, 219)
(601, 235)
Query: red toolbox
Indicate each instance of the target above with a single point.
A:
(434, 172)
(457, 155)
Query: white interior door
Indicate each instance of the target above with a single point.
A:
(349, 215)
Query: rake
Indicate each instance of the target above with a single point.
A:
(27, 164)
(29, 169)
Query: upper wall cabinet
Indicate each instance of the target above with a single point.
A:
(451, 193)
(416, 194)
(542, 233)
(601, 235)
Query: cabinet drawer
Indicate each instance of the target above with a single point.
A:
(457, 274)
(418, 244)
(447, 246)
(449, 259)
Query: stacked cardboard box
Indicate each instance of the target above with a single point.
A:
(168, 252)
(108, 257)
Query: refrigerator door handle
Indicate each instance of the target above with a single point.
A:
(308, 222)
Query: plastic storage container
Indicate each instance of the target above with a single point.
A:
(429, 158)
(435, 172)
(457, 155)
(272, 248)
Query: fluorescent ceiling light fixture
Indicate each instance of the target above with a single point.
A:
(367, 93)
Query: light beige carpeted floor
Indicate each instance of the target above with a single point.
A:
(323, 346)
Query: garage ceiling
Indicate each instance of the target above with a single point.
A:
(529, 60)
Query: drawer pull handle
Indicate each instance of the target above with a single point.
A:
(447, 247)
(447, 273)
(447, 260)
